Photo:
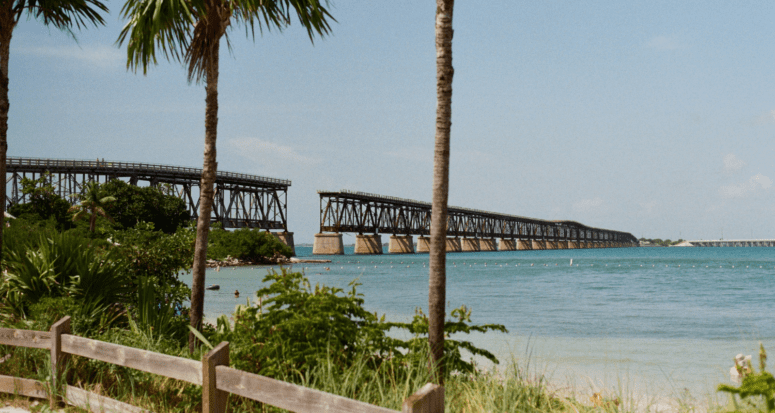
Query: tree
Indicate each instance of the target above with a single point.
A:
(151, 204)
(437, 260)
(62, 14)
(93, 203)
(191, 32)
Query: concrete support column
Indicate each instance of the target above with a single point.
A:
(539, 244)
(524, 244)
(550, 245)
(453, 245)
(470, 244)
(487, 244)
(423, 245)
(287, 239)
(328, 244)
(507, 244)
(401, 244)
(562, 245)
(368, 244)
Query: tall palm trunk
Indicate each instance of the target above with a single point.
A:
(206, 195)
(438, 278)
(7, 23)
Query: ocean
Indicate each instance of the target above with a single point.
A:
(665, 321)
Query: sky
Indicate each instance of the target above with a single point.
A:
(651, 117)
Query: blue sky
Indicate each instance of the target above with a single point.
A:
(652, 117)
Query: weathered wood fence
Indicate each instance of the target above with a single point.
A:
(212, 373)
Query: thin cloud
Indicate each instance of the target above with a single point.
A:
(664, 43)
(732, 163)
(757, 183)
(96, 55)
(264, 151)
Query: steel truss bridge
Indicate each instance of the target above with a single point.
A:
(362, 213)
(241, 200)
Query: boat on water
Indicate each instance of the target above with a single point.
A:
(213, 287)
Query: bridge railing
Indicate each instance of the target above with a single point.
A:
(133, 166)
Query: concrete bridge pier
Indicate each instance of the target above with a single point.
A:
(401, 244)
(572, 245)
(550, 244)
(524, 244)
(453, 245)
(507, 244)
(423, 245)
(538, 244)
(470, 244)
(328, 244)
(562, 245)
(287, 239)
(487, 244)
(368, 244)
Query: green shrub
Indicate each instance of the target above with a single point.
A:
(245, 244)
(63, 265)
(754, 385)
(156, 205)
(297, 326)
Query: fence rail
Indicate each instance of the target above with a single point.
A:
(213, 373)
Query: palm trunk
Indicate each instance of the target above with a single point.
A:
(206, 195)
(438, 278)
(7, 24)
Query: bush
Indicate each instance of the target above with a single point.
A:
(245, 244)
(297, 326)
(145, 204)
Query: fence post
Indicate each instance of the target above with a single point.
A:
(429, 399)
(58, 358)
(214, 400)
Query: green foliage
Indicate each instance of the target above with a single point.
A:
(452, 348)
(44, 204)
(297, 326)
(146, 204)
(761, 384)
(245, 244)
(158, 258)
(63, 265)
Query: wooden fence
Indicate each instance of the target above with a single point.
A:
(212, 373)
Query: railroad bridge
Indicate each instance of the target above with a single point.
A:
(370, 215)
(241, 200)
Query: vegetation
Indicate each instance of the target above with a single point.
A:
(44, 204)
(61, 14)
(155, 205)
(659, 242)
(757, 390)
(93, 203)
(192, 33)
(245, 244)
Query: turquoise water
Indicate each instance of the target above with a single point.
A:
(660, 320)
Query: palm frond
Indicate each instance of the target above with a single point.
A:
(62, 14)
(157, 24)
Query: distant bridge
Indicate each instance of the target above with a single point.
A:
(370, 215)
(241, 200)
(734, 243)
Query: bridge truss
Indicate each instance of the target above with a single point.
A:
(362, 213)
(241, 200)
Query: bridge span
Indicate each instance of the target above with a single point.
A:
(241, 200)
(734, 243)
(370, 215)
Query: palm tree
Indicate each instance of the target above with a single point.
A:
(92, 204)
(438, 250)
(190, 32)
(62, 14)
